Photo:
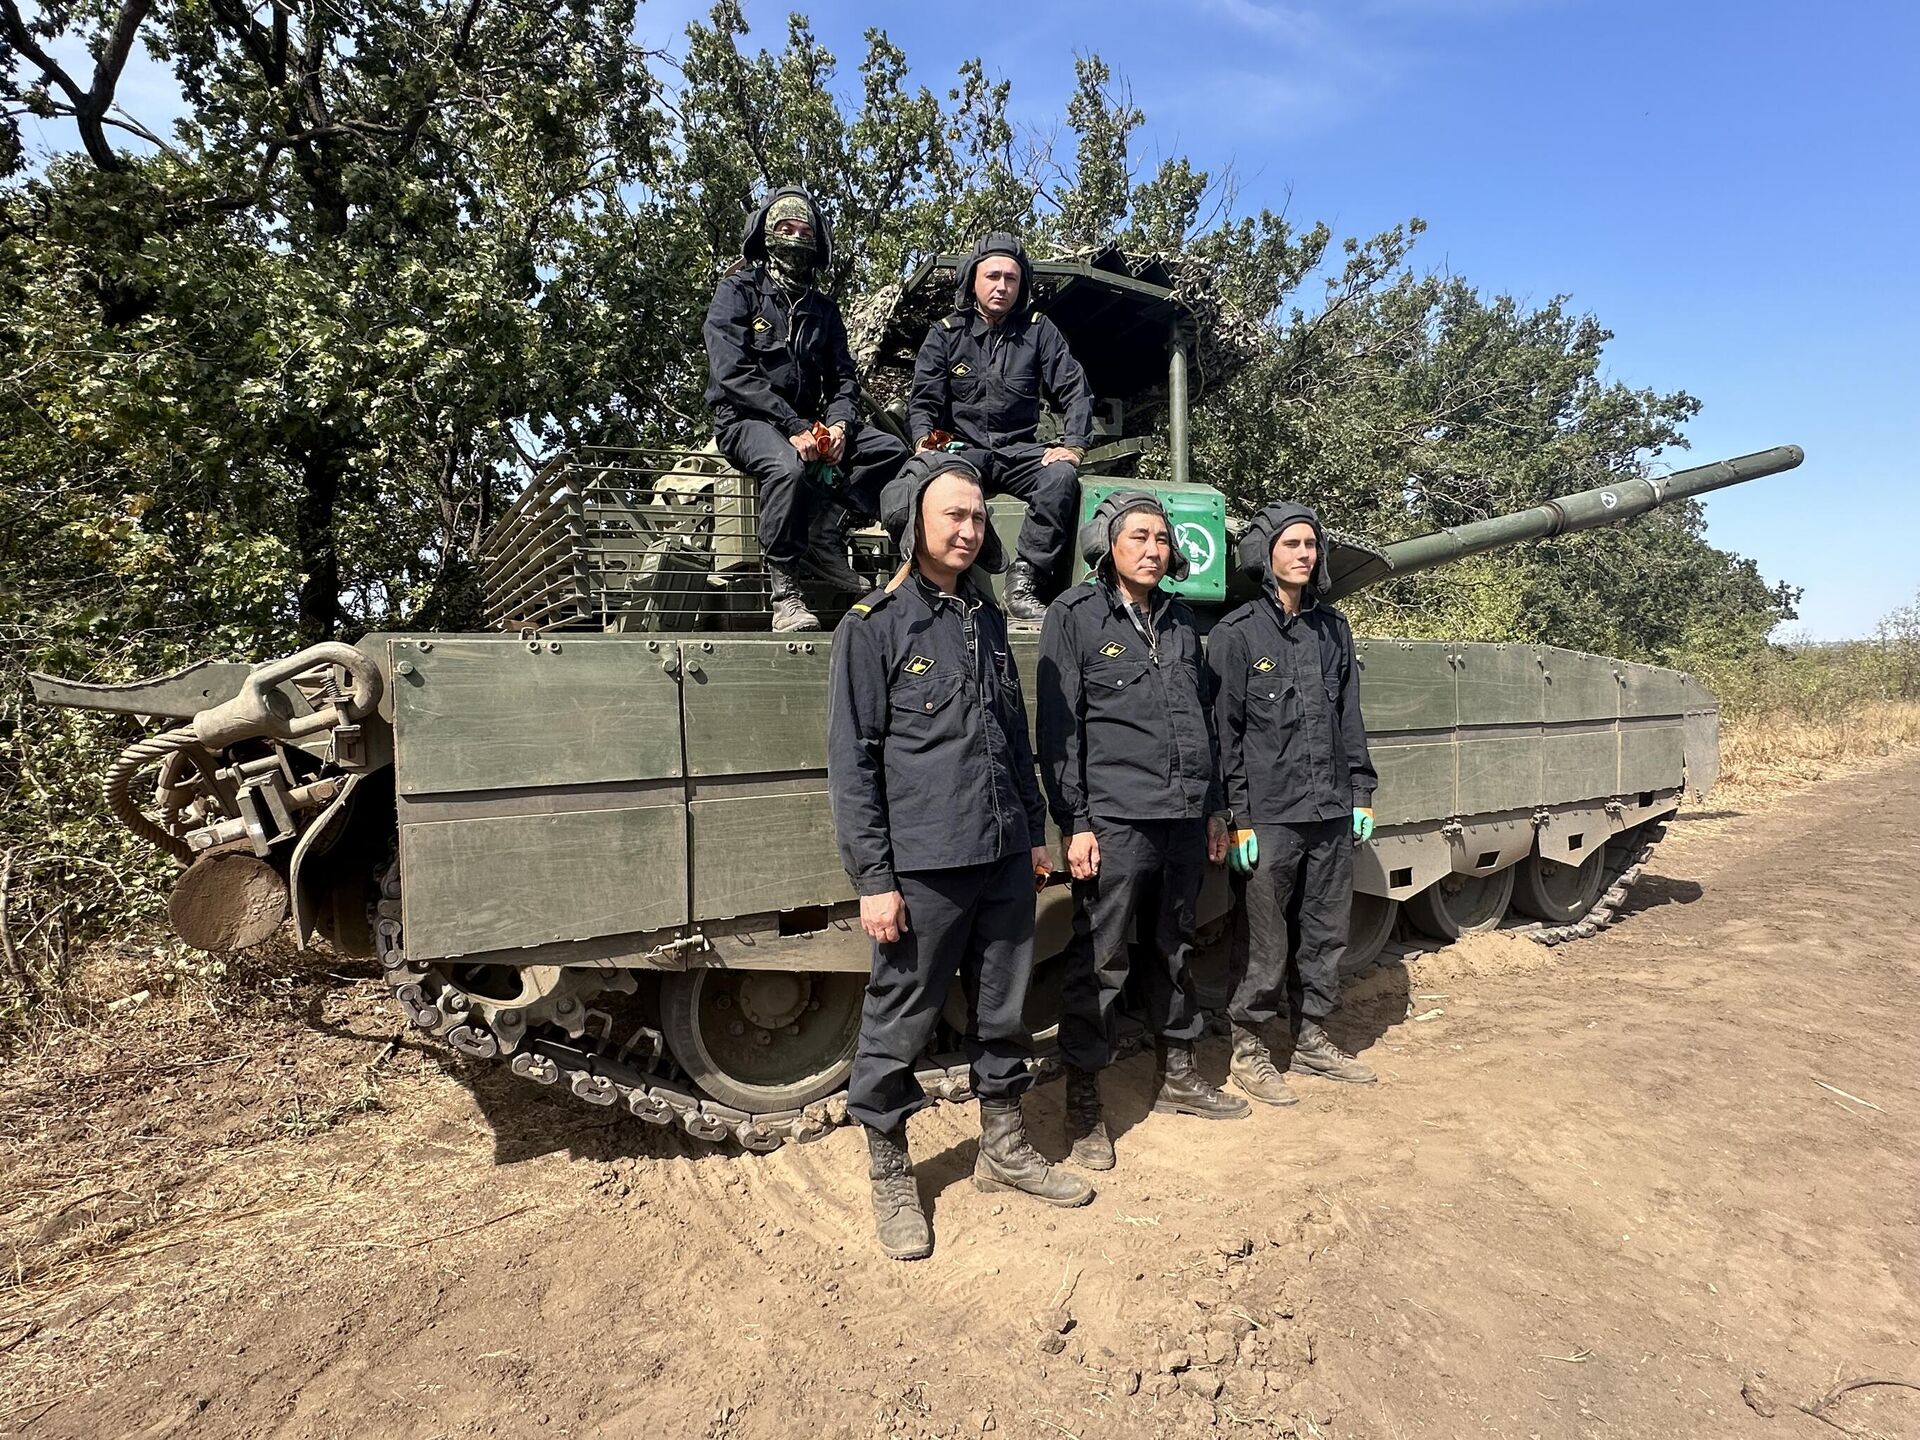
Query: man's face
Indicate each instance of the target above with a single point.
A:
(793, 229)
(1295, 553)
(996, 285)
(1142, 549)
(953, 521)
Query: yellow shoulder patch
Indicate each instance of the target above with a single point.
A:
(946, 322)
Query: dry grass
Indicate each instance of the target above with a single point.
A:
(1784, 751)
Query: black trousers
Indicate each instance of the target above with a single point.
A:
(1052, 493)
(787, 499)
(1295, 907)
(975, 922)
(1150, 869)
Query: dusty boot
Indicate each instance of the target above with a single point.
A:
(897, 1216)
(790, 612)
(1086, 1126)
(1315, 1054)
(826, 554)
(1020, 600)
(1253, 1070)
(1008, 1162)
(1185, 1091)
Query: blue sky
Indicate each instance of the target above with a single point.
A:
(1725, 185)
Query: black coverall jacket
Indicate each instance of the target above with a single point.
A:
(1124, 729)
(778, 358)
(929, 763)
(1287, 712)
(984, 383)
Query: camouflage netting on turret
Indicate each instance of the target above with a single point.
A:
(886, 327)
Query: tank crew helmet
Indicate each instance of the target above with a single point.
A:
(1255, 550)
(901, 499)
(791, 207)
(1103, 525)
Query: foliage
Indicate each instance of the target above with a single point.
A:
(267, 377)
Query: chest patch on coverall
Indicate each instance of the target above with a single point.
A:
(1113, 650)
(1263, 664)
(963, 368)
(918, 665)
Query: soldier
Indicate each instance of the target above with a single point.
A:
(785, 402)
(1127, 753)
(979, 380)
(941, 829)
(1299, 780)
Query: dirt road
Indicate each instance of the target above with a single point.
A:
(1662, 1182)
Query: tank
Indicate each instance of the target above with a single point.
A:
(594, 843)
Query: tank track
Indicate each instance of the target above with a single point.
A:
(1627, 855)
(599, 1080)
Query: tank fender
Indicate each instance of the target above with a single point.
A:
(1399, 865)
(1486, 847)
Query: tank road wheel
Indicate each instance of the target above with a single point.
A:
(1368, 930)
(1457, 905)
(1556, 893)
(762, 1040)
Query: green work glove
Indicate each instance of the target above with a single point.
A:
(1245, 851)
(1363, 823)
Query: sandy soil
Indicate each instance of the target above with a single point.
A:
(1662, 1182)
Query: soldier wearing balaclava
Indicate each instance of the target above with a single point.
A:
(786, 403)
(980, 378)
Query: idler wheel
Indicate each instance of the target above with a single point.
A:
(762, 1040)
(1558, 893)
(228, 901)
(1368, 930)
(1457, 905)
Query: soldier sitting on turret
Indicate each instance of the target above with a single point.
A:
(979, 379)
(786, 402)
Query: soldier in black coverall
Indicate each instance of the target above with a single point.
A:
(942, 830)
(1126, 749)
(778, 363)
(1299, 780)
(980, 377)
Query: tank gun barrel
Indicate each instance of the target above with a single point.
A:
(1587, 510)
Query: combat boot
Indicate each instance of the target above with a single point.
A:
(1253, 1070)
(825, 558)
(790, 611)
(1314, 1053)
(1019, 598)
(897, 1217)
(1008, 1162)
(1185, 1091)
(1091, 1145)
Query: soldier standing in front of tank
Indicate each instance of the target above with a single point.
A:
(1299, 781)
(979, 379)
(942, 831)
(779, 367)
(1127, 752)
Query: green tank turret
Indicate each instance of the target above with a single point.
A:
(594, 843)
